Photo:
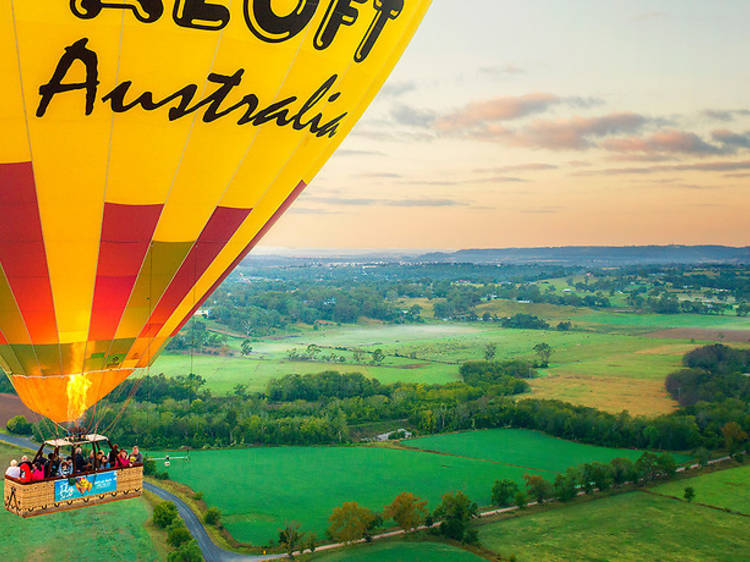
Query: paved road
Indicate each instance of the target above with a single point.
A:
(211, 552)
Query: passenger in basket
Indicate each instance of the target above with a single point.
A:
(122, 460)
(52, 466)
(66, 468)
(135, 456)
(113, 454)
(13, 471)
(25, 467)
(102, 461)
(37, 473)
(79, 461)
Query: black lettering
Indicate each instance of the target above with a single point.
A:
(146, 100)
(198, 14)
(272, 28)
(339, 12)
(309, 104)
(385, 10)
(77, 51)
(147, 11)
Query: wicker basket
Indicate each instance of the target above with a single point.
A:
(38, 498)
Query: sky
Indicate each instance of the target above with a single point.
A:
(547, 123)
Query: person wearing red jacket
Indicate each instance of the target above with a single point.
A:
(26, 468)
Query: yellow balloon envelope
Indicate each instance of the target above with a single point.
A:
(146, 147)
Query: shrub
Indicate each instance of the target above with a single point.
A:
(19, 425)
(212, 516)
(178, 535)
(164, 514)
(188, 552)
(149, 467)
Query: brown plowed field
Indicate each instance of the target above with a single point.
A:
(10, 406)
(732, 336)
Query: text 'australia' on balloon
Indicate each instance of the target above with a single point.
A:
(261, 19)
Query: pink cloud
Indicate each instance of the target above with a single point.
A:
(498, 109)
(670, 141)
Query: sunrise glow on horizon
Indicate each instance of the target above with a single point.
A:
(547, 124)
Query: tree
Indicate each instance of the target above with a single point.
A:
(290, 538)
(566, 485)
(521, 500)
(743, 309)
(489, 351)
(544, 352)
(666, 465)
(377, 356)
(623, 470)
(246, 348)
(455, 511)
(407, 510)
(188, 552)
(689, 494)
(349, 522)
(164, 514)
(19, 425)
(702, 455)
(733, 434)
(503, 492)
(178, 534)
(646, 467)
(537, 487)
(212, 516)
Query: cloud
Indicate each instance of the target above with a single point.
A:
(575, 133)
(365, 202)
(541, 210)
(412, 116)
(307, 211)
(379, 175)
(669, 141)
(344, 152)
(725, 114)
(732, 140)
(579, 163)
(531, 167)
(397, 89)
(716, 166)
(501, 70)
(500, 179)
(498, 109)
(647, 16)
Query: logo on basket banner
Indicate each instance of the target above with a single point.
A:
(82, 486)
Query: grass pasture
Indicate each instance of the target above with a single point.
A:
(725, 488)
(258, 490)
(635, 526)
(400, 551)
(522, 447)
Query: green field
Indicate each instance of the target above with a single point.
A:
(260, 489)
(634, 526)
(726, 488)
(400, 552)
(115, 531)
(522, 447)
(662, 321)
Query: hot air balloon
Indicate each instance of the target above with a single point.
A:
(146, 147)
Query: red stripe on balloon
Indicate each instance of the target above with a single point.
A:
(222, 225)
(261, 233)
(127, 231)
(22, 252)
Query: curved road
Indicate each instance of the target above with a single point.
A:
(211, 552)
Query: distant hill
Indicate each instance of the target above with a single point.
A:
(599, 255)
(563, 256)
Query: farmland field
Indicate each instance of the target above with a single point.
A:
(116, 530)
(634, 526)
(400, 552)
(610, 371)
(726, 488)
(270, 486)
(521, 447)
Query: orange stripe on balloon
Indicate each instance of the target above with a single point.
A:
(126, 234)
(261, 233)
(220, 228)
(22, 252)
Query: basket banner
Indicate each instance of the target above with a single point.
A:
(88, 485)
